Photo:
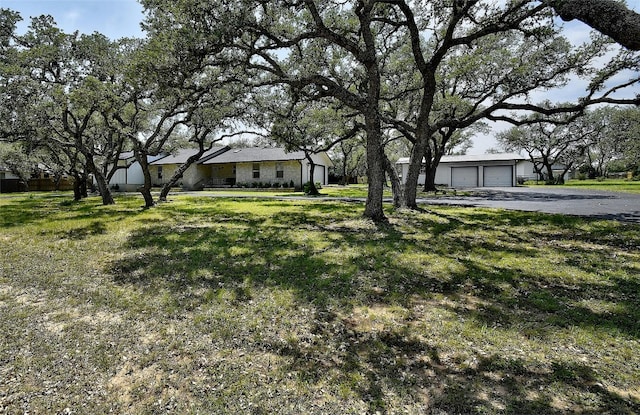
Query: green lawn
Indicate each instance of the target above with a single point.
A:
(350, 191)
(333, 190)
(614, 185)
(221, 305)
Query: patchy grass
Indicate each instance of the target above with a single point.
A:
(352, 190)
(228, 305)
(612, 185)
(361, 190)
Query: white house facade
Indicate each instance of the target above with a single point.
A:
(129, 175)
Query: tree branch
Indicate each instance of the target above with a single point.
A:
(610, 17)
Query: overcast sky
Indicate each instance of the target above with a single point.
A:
(121, 18)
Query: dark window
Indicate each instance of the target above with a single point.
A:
(279, 171)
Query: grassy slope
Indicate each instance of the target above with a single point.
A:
(245, 306)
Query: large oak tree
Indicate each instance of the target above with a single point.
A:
(58, 93)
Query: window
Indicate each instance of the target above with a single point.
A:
(159, 172)
(279, 171)
(256, 170)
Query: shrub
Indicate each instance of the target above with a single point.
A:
(291, 184)
(276, 185)
(307, 187)
(285, 185)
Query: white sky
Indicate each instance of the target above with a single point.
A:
(121, 18)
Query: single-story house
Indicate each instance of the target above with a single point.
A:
(484, 170)
(224, 166)
(265, 165)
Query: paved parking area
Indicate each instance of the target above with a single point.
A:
(581, 202)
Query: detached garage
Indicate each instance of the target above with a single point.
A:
(484, 170)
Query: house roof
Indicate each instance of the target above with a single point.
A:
(254, 154)
(129, 158)
(181, 156)
(126, 155)
(471, 158)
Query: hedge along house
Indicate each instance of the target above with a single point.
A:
(265, 165)
(485, 170)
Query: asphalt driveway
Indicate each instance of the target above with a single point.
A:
(620, 206)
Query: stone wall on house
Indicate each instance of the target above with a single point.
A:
(167, 171)
(195, 177)
(291, 172)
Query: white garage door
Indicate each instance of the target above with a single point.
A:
(464, 176)
(498, 176)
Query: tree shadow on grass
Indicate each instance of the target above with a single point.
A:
(549, 304)
(373, 365)
(81, 233)
(231, 256)
(48, 208)
(334, 265)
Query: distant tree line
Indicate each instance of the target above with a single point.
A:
(595, 144)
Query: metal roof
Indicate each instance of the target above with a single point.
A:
(473, 158)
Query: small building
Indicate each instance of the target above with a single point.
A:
(9, 182)
(484, 170)
(6, 173)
